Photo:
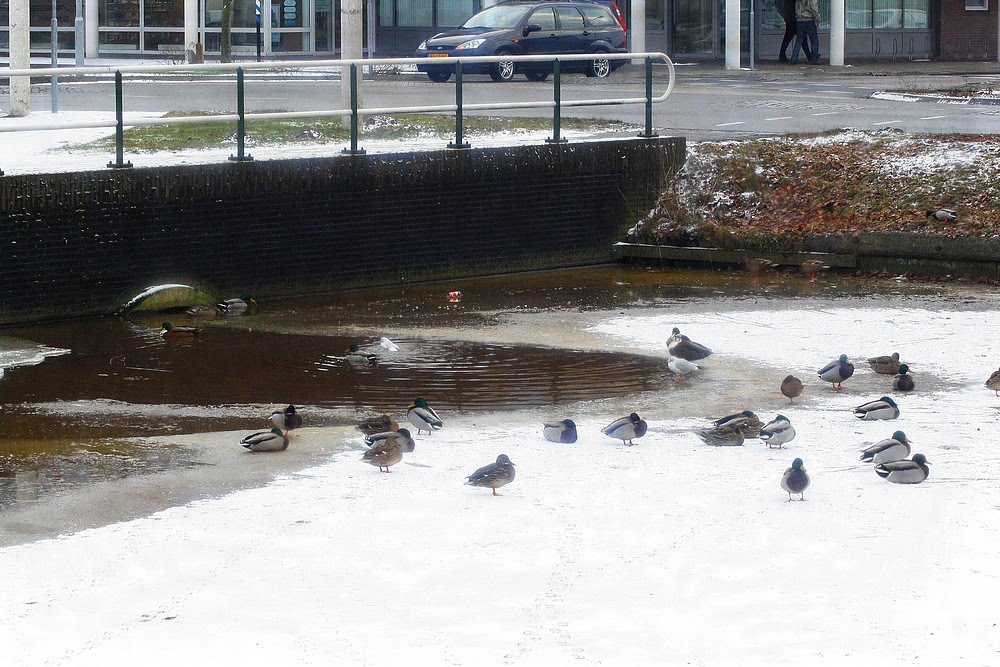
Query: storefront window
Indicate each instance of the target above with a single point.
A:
(244, 12)
(655, 14)
(119, 13)
(385, 14)
(693, 26)
(858, 14)
(40, 13)
(414, 13)
(771, 18)
(163, 42)
(915, 13)
(454, 13)
(164, 13)
(887, 14)
(119, 41)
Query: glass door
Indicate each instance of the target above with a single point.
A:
(695, 26)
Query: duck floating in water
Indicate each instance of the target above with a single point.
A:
(266, 441)
(891, 449)
(886, 364)
(403, 435)
(883, 408)
(494, 475)
(795, 480)
(170, 331)
(837, 371)
(379, 424)
(682, 347)
(993, 382)
(747, 422)
(791, 387)
(386, 453)
(356, 356)
(235, 306)
(913, 471)
(423, 416)
(777, 432)
(903, 381)
(564, 431)
(722, 436)
(943, 214)
(626, 429)
(286, 419)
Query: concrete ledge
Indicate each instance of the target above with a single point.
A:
(671, 253)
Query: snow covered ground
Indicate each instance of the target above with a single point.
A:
(670, 552)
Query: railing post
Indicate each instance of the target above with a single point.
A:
(354, 150)
(649, 134)
(241, 127)
(557, 109)
(119, 162)
(458, 143)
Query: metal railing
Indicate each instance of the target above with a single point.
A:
(240, 118)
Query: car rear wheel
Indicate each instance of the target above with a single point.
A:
(599, 68)
(503, 70)
(536, 76)
(439, 77)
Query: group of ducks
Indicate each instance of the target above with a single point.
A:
(223, 308)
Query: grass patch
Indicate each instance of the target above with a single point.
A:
(329, 130)
(774, 193)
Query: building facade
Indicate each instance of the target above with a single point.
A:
(684, 29)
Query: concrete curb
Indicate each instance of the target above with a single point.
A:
(936, 99)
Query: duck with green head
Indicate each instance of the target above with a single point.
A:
(564, 431)
(891, 449)
(235, 306)
(883, 408)
(777, 432)
(795, 480)
(286, 419)
(913, 471)
(170, 331)
(423, 416)
(903, 381)
(403, 435)
(356, 356)
(626, 429)
(837, 371)
(266, 441)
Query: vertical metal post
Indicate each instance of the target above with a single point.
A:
(557, 109)
(257, 10)
(458, 143)
(119, 162)
(241, 126)
(55, 59)
(751, 35)
(79, 37)
(649, 134)
(354, 150)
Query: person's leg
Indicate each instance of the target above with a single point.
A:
(786, 40)
(808, 47)
(814, 40)
(800, 34)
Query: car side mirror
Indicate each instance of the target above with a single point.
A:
(530, 28)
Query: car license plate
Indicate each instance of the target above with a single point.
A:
(437, 55)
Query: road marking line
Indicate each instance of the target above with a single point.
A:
(887, 122)
(790, 90)
(931, 117)
(824, 113)
(781, 118)
(742, 122)
(835, 92)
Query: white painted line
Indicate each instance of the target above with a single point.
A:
(742, 122)
(790, 90)
(781, 118)
(835, 92)
(824, 113)
(887, 122)
(931, 117)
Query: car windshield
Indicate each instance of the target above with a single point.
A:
(499, 16)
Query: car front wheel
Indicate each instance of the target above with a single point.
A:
(439, 77)
(599, 68)
(536, 76)
(503, 70)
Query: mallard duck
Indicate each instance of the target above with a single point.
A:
(994, 382)
(680, 367)
(913, 471)
(204, 311)
(837, 371)
(356, 356)
(494, 475)
(403, 435)
(747, 422)
(170, 331)
(903, 381)
(266, 441)
(564, 431)
(235, 306)
(811, 267)
(684, 348)
(626, 429)
(886, 365)
(777, 432)
(883, 408)
(379, 424)
(286, 419)
(387, 453)
(795, 480)
(791, 387)
(943, 214)
(891, 449)
(423, 416)
(759, 264)
(722, 436)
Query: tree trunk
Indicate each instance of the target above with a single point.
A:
(226, 47)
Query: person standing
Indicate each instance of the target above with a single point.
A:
(807, 19)
(788, 13)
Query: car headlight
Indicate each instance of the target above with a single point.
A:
(423, 46)
(471, 44)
